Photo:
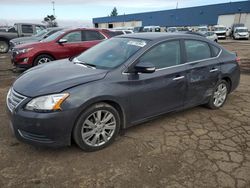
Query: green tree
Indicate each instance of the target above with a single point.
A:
(50, 20)
(114, 12)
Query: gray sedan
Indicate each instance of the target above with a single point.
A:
(120, 82)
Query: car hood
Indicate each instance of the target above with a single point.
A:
(55, 77)
(21, 39)
(221, 31)
(32, 44)
(243, 33)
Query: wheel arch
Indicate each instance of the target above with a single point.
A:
(109, 101)
(229, 81)
(42, 53)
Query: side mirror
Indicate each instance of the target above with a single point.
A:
(61, 41)
(144, 67)
(45, 36)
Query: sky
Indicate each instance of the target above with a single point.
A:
(81, 12)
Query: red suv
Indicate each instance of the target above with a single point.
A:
(60, 45)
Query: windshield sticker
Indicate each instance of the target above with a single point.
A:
(137, 43)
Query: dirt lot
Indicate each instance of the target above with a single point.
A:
(194, 148)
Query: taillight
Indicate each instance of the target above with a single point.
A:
(237, 60)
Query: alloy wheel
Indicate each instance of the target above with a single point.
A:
(43, 60)
(98, 128)
(220, 95)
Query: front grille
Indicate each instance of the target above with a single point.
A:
(14, 99)
(13, 53)
(221, 34)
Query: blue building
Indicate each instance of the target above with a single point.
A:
(223, 14)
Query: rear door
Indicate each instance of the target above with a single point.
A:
(163, 90)
(90, 39)
(203, 70)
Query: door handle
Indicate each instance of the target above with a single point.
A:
(213, 70)
(179, 78)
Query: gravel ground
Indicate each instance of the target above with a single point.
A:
(193, 148)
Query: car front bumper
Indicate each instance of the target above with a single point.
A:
(42, 129)
(21, 61)
(241, 37)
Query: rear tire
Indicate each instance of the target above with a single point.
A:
(97, 127)
(41, 59)
(219, 96)
(4, 46)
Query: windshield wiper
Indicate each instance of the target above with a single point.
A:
(87, 64)
(77, 61)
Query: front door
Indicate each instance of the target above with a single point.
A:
(72, 47)
(163, 90)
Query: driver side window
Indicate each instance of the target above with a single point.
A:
(74, 36)
(163, 55)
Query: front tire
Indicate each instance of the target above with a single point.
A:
(219, 96)
(41, 59)
(97, 127)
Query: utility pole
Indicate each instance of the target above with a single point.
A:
(177, 5)
(53, 4)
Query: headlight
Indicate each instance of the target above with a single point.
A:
(22, 51)
(47, 103)
(17, 43)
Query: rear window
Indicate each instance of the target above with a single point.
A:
(27, 28)
(114, 33)
(215, 50)
(197, 50)
(92, 35)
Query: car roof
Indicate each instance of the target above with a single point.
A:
(159, 36)
(23, 23)
(219, 26)
(240, 27)
(82, 28)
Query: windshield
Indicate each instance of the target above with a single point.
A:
(202, 29)
(172, 29)
(42, 32)
(209, 33)
(241, 30)
(111, 53)
(219, 28)
(53, 36)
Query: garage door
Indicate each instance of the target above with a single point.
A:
(226, 20)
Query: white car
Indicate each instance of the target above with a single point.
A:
(241, 33)
(122, 32)
(220, 31)
(211, 36)
(172, 29)
(202, 29)
(152, 29)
